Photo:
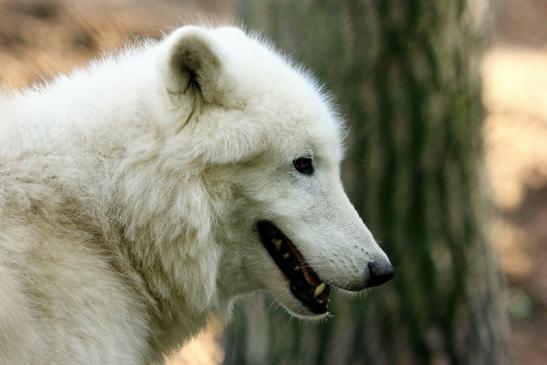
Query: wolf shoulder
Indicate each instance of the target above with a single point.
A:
(56, 288)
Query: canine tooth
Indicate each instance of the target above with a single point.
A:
(286, 255)
(319, 289)
(277, 243)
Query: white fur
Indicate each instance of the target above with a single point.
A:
(130, 190)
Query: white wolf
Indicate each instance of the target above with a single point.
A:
(144, 194)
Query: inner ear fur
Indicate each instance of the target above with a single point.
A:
(194, 64)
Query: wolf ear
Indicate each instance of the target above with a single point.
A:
(193, 63)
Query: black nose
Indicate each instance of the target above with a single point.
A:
(379, 272)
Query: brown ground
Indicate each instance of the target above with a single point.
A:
(515, 94)
(39, 38)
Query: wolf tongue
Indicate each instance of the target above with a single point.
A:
(310, 276)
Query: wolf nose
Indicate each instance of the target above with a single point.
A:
(379, 272)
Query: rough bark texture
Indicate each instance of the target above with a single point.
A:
(405, 74)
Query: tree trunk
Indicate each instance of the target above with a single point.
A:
(405, 74)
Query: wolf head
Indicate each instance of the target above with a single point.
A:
(265, 146)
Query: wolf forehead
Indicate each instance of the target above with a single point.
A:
(244, 72)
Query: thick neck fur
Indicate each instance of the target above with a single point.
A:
(136, 187)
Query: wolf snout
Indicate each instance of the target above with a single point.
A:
(378, 272)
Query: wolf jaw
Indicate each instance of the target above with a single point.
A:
(304, 282)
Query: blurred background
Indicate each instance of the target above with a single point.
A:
(447, 163)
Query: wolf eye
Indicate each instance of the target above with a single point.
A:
(303, 165)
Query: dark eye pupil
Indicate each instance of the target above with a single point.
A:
(303, 165)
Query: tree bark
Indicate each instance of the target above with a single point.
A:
(405, 74)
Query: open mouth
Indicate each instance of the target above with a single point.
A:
(304, 283)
